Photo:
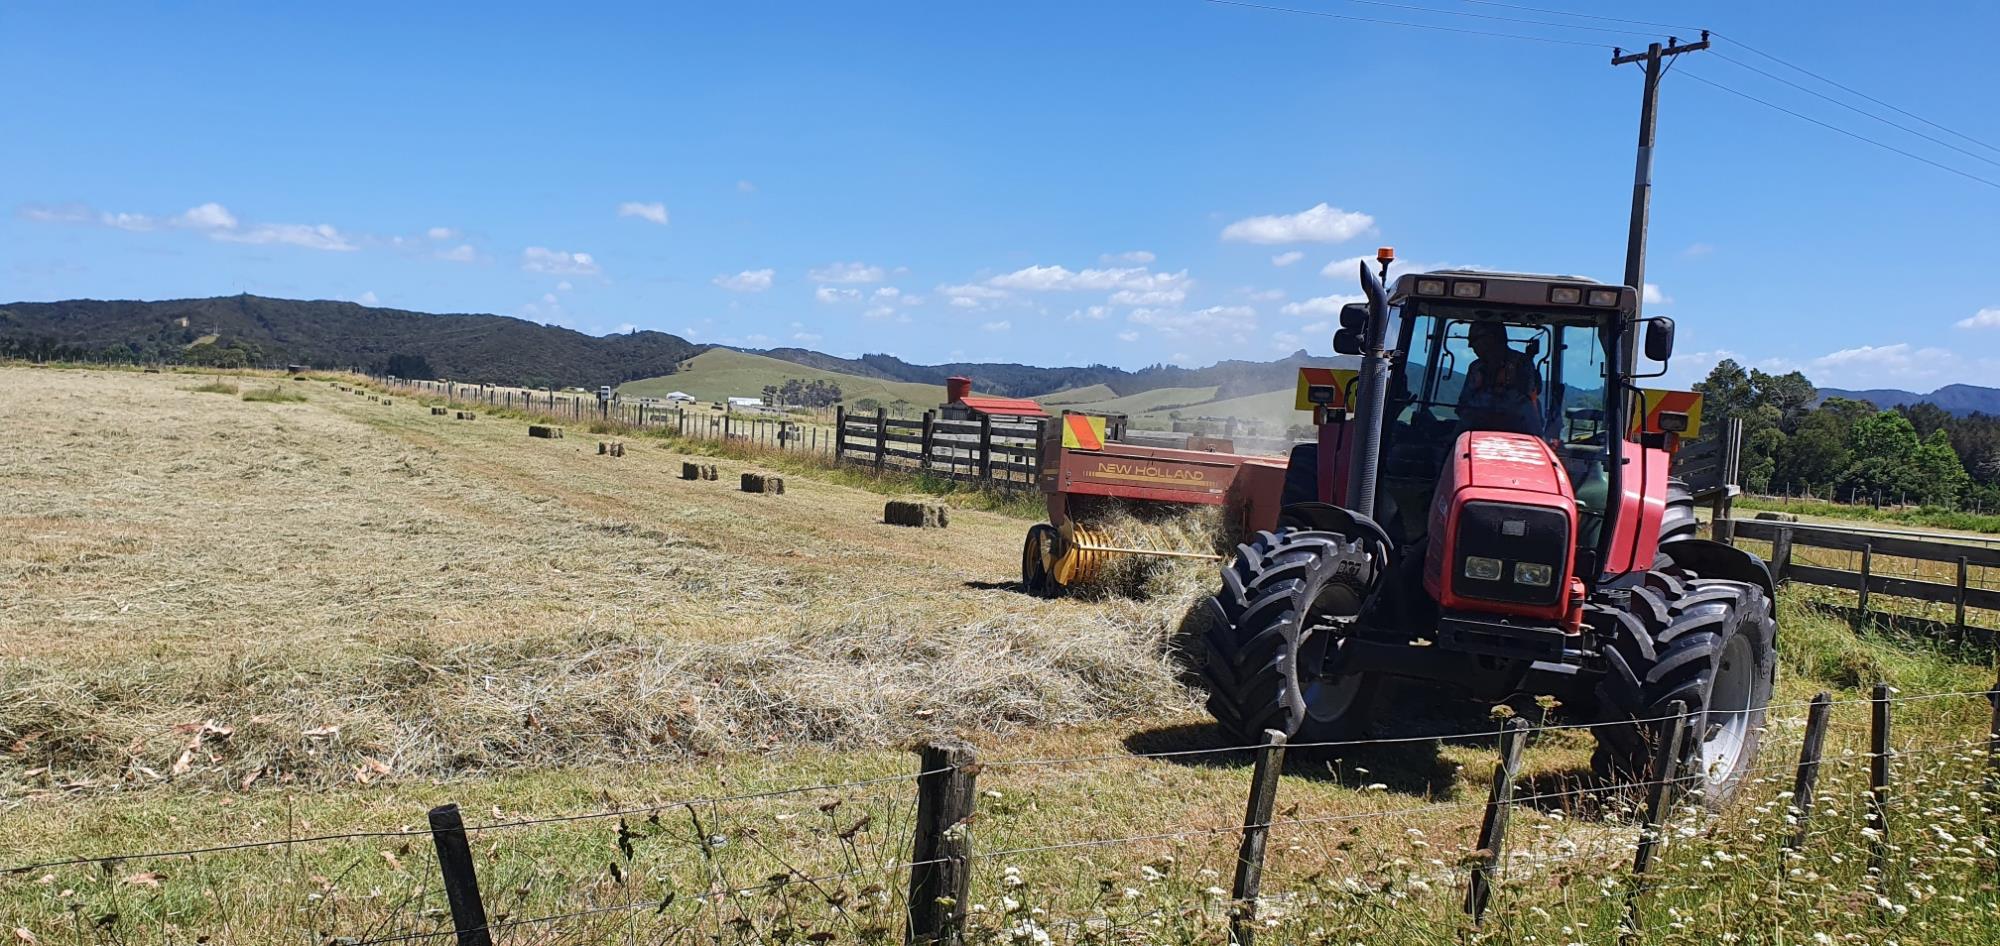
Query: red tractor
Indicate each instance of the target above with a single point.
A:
(1487, 510)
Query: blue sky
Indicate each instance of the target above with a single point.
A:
(1040, 182)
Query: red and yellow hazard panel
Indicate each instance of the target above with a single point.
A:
(1324, 387)
(1660, 402)
(1083, 432)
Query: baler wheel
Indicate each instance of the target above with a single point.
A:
(1036, 553)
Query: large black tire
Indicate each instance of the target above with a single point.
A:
(1708, 643)
(1678, 521)
(1276, 624)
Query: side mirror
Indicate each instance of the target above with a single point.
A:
(1660, 338)
(1354, 315)
(1347, 341)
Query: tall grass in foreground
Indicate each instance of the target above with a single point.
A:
(273, 395)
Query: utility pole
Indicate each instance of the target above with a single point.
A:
(1655, 59)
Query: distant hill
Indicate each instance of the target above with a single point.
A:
(1230, 379)
(1958, 399)
(254, 330)
(725, 372)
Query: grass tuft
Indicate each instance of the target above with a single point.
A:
(273, 395)
(216, 387)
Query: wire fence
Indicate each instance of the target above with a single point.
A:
(717, 894)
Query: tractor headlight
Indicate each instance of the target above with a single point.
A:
(1565, 295)
(1530, 573)
(1430, 287)
(1468, 289)
(1607, 298)
(1479, 568)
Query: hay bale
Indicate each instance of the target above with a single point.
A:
(386, 402)
(547, 432)
(763, 483)
(439, 412)
(901, 512)
(610, 448)
(698, 471)
(618, 448)
(467, 415)
(1777, 517)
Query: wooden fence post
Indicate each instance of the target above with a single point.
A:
(1878, 782)
(1256, 829)
(985, 446)
(1666, 766)
(1493, 831)
(940, 868)
(881, 438)
(1808, 773)
(1958, 599)
(930, 431)
(1867, 564)
(1993, 770)
(839, 430)
(1781, 554)
(461, 884)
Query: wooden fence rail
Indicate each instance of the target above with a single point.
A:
(1007, 454)
(1787, 537)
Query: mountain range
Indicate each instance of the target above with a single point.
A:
(257, 330)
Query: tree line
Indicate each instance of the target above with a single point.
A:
(818, 392)
(1850, 450)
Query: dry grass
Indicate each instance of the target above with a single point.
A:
(456, 598)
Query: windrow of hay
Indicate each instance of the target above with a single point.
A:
(1153, 527)
(867, 678)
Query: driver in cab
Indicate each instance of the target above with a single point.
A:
(1502, 388)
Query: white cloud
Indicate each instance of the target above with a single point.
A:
(1317, 224)
(550, 298)
(536, 259)
(462, 253)
(970, 295)
(1984, 318)
(1000, 326)
(878, 312)
(367, 298)
(1060, 279)
(564, 286)
(1322, 305)
(749, 280)
(833, 296)
(1214, 320)
(1899, 365)
(124, 221)
(441, 233)
(1698, 250)
(209, 216)
(1287, 258)
(312, 237)
(1349, 268)
(1140, 257)
(746, 187)
(1149, 297)
(1093, 313)
(1652, 295)
(847, 273)
(1128, 336)
(655, 212)
(64, 213)
(1264, 295)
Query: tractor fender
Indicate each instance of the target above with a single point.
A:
(1711, 559)
(1327, 517)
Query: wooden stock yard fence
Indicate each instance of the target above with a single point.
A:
(1946, 576)
(1005, 453)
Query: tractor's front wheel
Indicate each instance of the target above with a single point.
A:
(1707, 644)
(1277, 625)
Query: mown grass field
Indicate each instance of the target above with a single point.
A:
(229, 620)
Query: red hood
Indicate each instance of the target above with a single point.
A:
(1512, 461)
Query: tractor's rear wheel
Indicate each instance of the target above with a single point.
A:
(1277, 623)
(1036, 552)
(1706, 643)
(1678, 520)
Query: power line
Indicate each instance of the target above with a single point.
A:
(1585, 16)
(1855, 135)
(1853, 91)
(1857, 110)
(1403, 23)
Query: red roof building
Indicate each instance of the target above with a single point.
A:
(962, 403)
